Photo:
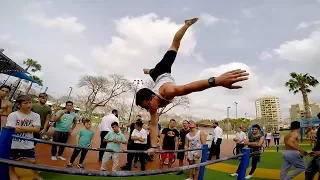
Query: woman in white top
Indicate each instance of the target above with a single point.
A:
(268, 138)
(194, 139)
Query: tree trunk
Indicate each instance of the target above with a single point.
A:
(306, 105)
(29, 88)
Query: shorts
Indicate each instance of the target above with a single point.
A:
(268, 140)
(164, 66)
(170, 156)
(17, 154)
(180, 155)
(192, 156)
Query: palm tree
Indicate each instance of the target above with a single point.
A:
(302, 83)
(36, 78)
(34, 65)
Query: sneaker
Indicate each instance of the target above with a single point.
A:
(188, 179)
(234, 174)
(80, 166)
(102, 169)
(248, 176)
(69, 165)
(61, 158)
(53, 158)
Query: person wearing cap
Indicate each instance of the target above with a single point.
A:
(45, 114)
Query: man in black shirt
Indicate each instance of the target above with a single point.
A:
(314, 165)
(169, 140)
(182, 140)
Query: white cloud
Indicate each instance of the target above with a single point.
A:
(39, 74)
(18, 57)
(305, 25)
(73, 63)
(303, 50)
(265, 55)
(208, 19)
(143, 40)
(67, 24)
(7, 38)
(247, 13)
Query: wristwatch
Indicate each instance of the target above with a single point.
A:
(212, 81)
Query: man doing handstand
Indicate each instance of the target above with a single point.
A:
(165, 88)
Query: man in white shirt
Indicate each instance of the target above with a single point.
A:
(240, 138)
(216, 141)
(105, 127)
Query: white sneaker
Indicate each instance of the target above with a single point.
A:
(61, 158)
(53, 158)
(248, 176)
(234, 174)
(102, 169)
(189, 179)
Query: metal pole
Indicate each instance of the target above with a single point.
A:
(244, 164)
(236, 104)
(45, 91)
(135, 82)
(69, 93)
(5, 146)
(228, 122)
(203, 159)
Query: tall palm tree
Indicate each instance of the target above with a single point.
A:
(34, 65)
(302, 83)
(36, 78)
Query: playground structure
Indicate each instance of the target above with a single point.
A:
(8, 133)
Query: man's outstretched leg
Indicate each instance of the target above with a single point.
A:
(177, 38)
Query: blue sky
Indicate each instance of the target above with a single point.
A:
(73, 38)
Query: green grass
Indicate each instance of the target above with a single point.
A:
(209, 174)
(271, 160)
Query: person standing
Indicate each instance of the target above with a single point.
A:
(240, 138)
(255, 142)
(114, 139)
(5, 105)
(314, 165)
(216, 141)
(65, 123)
(169, 140)
(276, 137)
(139, 135)
(45, 114)
(268, 138)
(84, 138)
(194, 139)
(293, 155)
(25, 123)
(182, 140)
(105, 128)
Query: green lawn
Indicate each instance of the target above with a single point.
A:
(209, 174)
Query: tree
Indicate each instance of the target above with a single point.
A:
(36, 78)
(302, 83)
(100, 90)
(180, 101)
(34, 65)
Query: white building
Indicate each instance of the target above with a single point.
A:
(268, 109)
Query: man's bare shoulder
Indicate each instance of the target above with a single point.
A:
(6, 103)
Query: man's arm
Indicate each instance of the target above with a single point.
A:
(203, 138)
(161, 140)
(73, 125)
(186, 146)
(28, 129)
(226, 80)
(58, 115)
(77, 139)
(256, 144)
(46, 124)
(153, 128)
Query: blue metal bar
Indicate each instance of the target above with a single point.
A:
(97, 149)
(244, 164)
(5, 147)
(203, 159)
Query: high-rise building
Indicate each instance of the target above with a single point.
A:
(268, 110)
(297, 111)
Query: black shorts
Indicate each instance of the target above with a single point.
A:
(164, 66)
(16, 154)
(180, 155)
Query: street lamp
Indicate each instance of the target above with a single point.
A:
(228, 122)
(136, 82)
(236, 104)
(69, 93)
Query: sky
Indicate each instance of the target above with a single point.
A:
(267, 38)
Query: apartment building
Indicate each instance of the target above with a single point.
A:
(268, 110)
(297, 111)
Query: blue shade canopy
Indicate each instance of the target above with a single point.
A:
(22, 75)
